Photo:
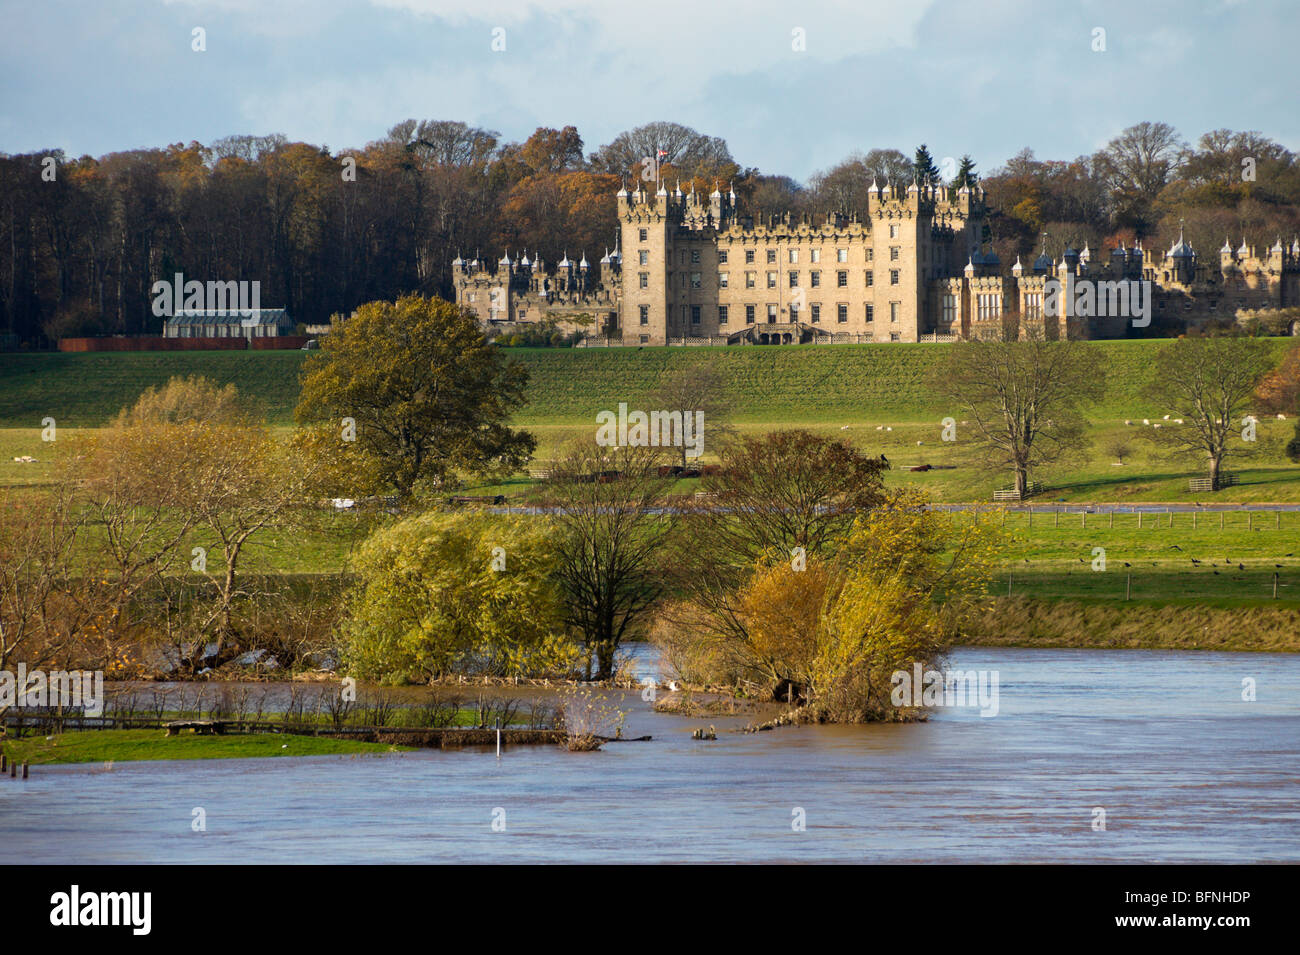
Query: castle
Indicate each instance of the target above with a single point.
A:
(915, 269)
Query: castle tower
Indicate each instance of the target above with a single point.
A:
(644, 230)
(1184, 260)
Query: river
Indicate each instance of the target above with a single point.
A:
(1185, 770)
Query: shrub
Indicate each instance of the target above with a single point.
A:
(429, 602)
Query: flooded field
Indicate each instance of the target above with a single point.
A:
(1163, 742)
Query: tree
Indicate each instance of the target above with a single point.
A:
(610, 536)
(698, 387)
(1292, 449)
(1023, 398)
(428, 395)
(1279, 392)
(1118, 446)
(781, 490)
(828, 632)
(966, 174)
(444, 593)
(786, 497)
(683, 148)
(46, 611)
(1209, 383)
(923, 167)
(1136, 165)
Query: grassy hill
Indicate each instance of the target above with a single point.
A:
(796, 384)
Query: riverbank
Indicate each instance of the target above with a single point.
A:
(120, 746)
(1071, 624)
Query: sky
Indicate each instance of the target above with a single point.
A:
(793, 87)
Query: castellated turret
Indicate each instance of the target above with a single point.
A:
(690, 265)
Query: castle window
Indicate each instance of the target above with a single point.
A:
(695, 256)
(794, 311)
(816, 313)
(771, 314)
(722, 314)
(749, 256)
(771, 280)
(893, 276)
(722, 280)
(722, 256)
(645, 314)
(471, 296)
(894, 253)
(893, 311)
(841, 279)
(841, 313)
(895, 337)
(893, 232)
(871, 255)
(771, 256)
(815, 278)
(815, 255)
(695, 315)
(681, 257)
(695, 280)
(645, 234)
(644, 279)
(871, 278)
(871, 312)
(1033, 305)
(794, 256)
(643, 256)
(794, 278)
(751, 279)
(645, 339)
(749, 315)
(841, 255)
(949, 309)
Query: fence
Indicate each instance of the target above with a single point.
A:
(1205, 484)
(158, 343)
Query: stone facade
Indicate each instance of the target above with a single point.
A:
(689, 269)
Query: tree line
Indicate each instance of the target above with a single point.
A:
(82, 239)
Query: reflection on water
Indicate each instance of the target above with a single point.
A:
(1185, 769)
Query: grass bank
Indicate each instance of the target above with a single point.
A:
(1027, 622)
(120, 746)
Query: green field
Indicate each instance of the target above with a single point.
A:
(872, 395)
(111, 746)
(809, 384)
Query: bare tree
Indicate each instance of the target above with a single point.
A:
(700, 387)
(1023, 398)
(42, 610)
(1209, 383)
(611, 530)
(667, 143)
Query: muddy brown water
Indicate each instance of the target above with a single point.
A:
(1184, 769)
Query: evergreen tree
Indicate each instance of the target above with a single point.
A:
(966, 174)
(926, 172)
